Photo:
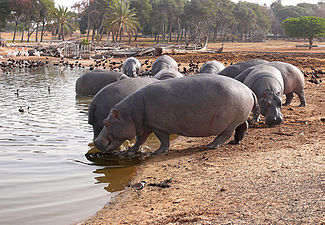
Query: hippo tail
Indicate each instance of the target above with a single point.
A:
(255, 109)
(91, 114)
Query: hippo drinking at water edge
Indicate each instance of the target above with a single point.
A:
(194, 106)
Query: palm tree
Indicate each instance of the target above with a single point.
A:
(121, 19)
(63, 21)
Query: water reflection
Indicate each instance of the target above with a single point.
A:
(116, 178)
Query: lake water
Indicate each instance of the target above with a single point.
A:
(42, 177)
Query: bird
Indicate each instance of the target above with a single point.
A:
(37, 54)
(138, 186)
(220, 49)
(17, 92)
(49, 89)
(23, 110)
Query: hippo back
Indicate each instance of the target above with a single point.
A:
(167, 74)
(91, 82)
(235, 69)
(213, 67)
(265, 77)
(197, 105)
(163, 62)
(292, 76)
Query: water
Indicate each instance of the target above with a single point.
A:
(41, 178)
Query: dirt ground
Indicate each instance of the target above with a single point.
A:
(276, 176)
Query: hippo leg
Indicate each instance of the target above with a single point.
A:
(139, 141)
(164, 142)
(239, 133)
(302, 98)
(222, 138)
(289, 98)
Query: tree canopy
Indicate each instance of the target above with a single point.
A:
(305, 26)
(165, 20)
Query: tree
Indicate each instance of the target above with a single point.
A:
(4, 13)
(143, 9)
(305, 27)
(63, 21)
(120, 18)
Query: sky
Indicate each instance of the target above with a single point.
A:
(69, 3)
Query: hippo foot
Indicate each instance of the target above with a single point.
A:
(212, 146)
(160, 151)
(234, 142)
(302, 105)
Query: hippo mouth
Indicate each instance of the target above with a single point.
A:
(273, 121)
(105, 143)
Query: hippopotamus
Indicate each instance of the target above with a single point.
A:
(168, 73)
(194, 106)
(91, 82)
(131, 67)
(267, 83)
(163, 62)
(293, 80)
(110, 95)
(235, 69)
(213, 67)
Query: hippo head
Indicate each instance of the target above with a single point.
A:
(270, 106)
(132, 69)
(116, 130)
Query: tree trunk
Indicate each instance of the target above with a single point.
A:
(62, 32)
(42, 32)
(15, 30)
(310, 42)
(88, 28)
(36, 33)
(22, 34)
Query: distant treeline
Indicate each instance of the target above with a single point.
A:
(165, 20)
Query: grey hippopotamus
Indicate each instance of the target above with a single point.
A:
(235, 69)
(195, 106)
(131, 67)
(110, 95)
(91, 82)
(267, 83)
(167, 74)
(213, 67)
(293, 80)
(163, 62)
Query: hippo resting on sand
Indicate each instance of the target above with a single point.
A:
(167, 73)
(235, 69)
(267, 83)
(213, 67)
(163, 62)
(194, 106)
(91, 82)
(293, 80)
(110, 95)
(131, 67)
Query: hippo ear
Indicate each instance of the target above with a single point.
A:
(114, 113)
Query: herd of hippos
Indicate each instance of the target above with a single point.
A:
(216, 101)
